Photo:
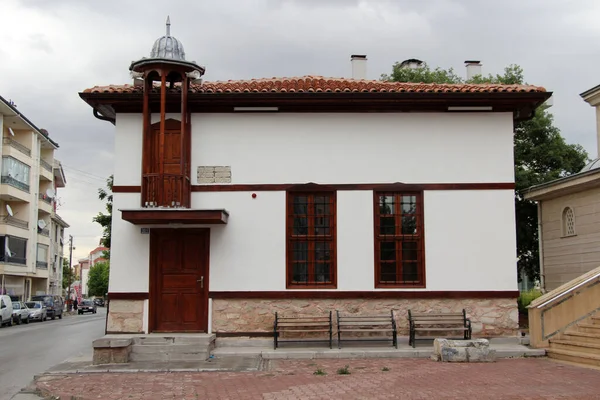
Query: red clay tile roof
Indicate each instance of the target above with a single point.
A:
(319, 84)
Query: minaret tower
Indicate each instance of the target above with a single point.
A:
(166, 77)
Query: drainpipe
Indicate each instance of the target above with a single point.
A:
(541, 247)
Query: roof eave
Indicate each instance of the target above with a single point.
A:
(28, 122)
(562, 186)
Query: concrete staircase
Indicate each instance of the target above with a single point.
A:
(173, 347)
(579, 344)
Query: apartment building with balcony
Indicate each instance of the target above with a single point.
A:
(30, 230)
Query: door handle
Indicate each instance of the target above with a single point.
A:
(201, 280)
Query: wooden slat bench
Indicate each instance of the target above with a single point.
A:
(302, 324)
(434, 322)
(384, 325)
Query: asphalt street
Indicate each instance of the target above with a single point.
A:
(28, 350)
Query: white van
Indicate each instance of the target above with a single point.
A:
(6, 310)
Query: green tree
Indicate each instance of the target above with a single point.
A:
(98, 279)
(67, 274)
(541, 153)
(105, 220)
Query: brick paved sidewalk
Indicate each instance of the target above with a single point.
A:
(287, 379)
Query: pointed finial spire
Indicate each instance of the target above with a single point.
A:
(168, 26)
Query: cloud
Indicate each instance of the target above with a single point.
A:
(51, 50)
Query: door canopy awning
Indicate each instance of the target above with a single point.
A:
(174, 216)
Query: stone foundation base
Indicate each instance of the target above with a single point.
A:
(125, 316)
(111, 351)
(489, 317)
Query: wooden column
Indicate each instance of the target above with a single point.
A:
(185, 150)
(146, 139)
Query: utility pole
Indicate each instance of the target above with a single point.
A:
(70, 273)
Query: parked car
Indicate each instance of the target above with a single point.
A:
(6, 311)
(54, 304)
(86, 306)
(99, 301)
(20, 312)
(37, 310)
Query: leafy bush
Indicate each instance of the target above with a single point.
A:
(525, 298)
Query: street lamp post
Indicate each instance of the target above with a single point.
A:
(70, 305)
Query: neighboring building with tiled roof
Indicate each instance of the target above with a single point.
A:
(236, 199)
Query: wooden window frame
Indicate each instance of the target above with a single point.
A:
(398, 237)
(564, 222)
(310, 190)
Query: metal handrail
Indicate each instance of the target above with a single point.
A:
(13, 143)
(19, 223)
(46, 165)
(569, 290)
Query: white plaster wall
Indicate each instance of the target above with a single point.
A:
(130, 250)
(356, 148)
(469, 241)
(249, 252)
(128, 149)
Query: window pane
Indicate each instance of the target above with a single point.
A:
(387, 251)
(300, 272)
(323, 272)
(409, 204)
(409, 224)
(410, 256)
(300, 251)
(410, 272)
(322, 226)
(322, 251)
(300, 205)
(387, 225)
(410, 251)
(300, 226)
(322, 205)
(386, 205)
(15, 173)
(388, 272)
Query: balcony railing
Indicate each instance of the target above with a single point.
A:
(19, 223)
(13, 260)
(9, 180)
(45, 198)
(41, 264)
(44, 232)
(46, 165)
(13, 143)
(167, 190)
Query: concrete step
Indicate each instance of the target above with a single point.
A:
(168, 348)
(575, 357)
(589, 328)
(165, 356)
(586, 337)
(569, 345)
(595, 320)
(175, 339)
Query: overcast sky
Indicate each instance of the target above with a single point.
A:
(52, 49)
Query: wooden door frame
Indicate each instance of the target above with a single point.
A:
(153, 270)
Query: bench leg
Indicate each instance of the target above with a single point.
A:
(275, 341)
(339, 340)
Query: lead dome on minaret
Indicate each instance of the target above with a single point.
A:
(168, 46)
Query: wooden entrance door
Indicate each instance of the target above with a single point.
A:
(179, 280)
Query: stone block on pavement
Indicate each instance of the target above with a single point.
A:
(476, 350)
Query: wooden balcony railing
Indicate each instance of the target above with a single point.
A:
(166, 190)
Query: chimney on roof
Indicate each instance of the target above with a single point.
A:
(473, 68)
(359, 66)
(411, 63)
